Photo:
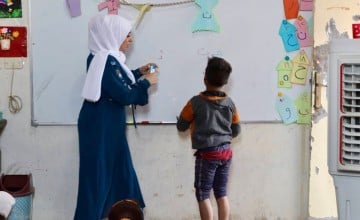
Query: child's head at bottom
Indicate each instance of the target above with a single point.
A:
(126, 209)
(217, 72)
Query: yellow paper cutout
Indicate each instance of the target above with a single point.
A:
(142, 9)
(300, 68)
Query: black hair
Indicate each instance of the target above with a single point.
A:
(127, 208)
(217, 71)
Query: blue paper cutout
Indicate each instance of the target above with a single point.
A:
(286, 109)
(288, 34)
(205, 20)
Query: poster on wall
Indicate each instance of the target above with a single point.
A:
(10, 9)
(13, 41)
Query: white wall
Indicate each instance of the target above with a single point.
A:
(269, 176)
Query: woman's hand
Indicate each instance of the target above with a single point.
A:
(146, 68)
(152, 78)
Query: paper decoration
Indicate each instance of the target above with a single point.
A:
(306, 5)
(286, 109)
(303, 104)
(288, 35)
(74, 7)
(284, 69)
(302, 32)
(205, 20)
(111, 5)
(10, 9)
(13, 41)
(142, 9)
(356, 31)
(300, 68)
(291, 8)
(311, 27)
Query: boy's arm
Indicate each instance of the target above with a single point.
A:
(185, 118)
(182, 125)
(236, 129)
(235, 126)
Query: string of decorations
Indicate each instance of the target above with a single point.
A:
(205, 19)
(124, 2)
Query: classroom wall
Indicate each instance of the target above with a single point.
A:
(269, 177)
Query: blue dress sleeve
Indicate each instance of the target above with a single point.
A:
(116, 85)
(137, 73)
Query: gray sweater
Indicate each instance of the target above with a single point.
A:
(213, 120)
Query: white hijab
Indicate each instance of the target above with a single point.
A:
(106, 34)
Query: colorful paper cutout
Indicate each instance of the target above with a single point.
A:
(286, 109)
(300, 68)
(111, 5)
(142, 9)
(288, 35)
(13, 41)
(74, 7)
(10, 9)
(306, 5)
(291, 8)
(205, 20)
(303, 104)
(302, 32)
(284, 69)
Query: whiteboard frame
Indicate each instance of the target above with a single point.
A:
(202, 54)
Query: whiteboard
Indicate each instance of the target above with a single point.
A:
(248, 39)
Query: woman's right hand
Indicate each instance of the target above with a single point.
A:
(152, 78)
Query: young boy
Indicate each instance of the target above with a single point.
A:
(213, 120)
(126, 209)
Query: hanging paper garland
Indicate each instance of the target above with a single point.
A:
(205, 20)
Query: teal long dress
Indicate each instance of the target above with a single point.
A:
(106, 171)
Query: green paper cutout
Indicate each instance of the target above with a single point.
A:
(303, 104)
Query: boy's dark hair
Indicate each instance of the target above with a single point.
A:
(126, 208)
(217, 71)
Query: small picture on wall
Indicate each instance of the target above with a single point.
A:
(10, 9)
(13, 41)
